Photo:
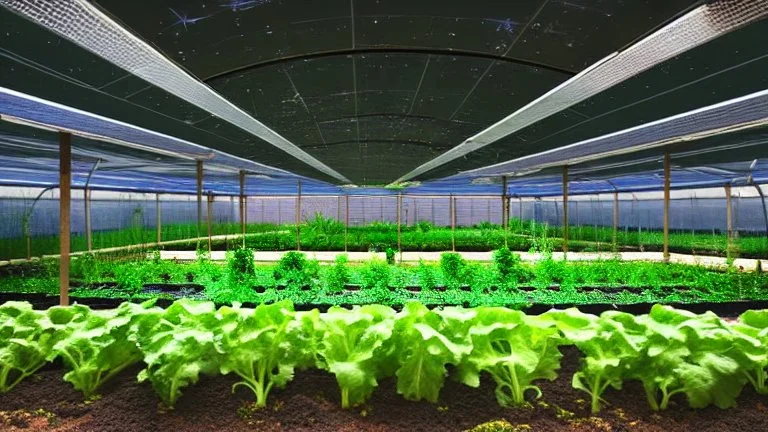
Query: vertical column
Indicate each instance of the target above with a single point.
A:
(209, 220)
(504, 206)
(346, 220)
(158, 219)
(399, 221)
(666, 204)
(452, 208)
(65, 180)
(87, 202)
(615, 219)
(199, 198)
(728, 220)
(565, 208)
(242, 205)
(298, 216)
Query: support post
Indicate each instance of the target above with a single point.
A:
(346, 220)
(399, 221)
(209, 221)
(158, 220)
(298, 216)
(565, 208)
(65, 180)
(88, 233)
(242, 205)
(765, 209)
(667, 175)
(615, 220)
(452, 208)
(504, 206)
(199, 198)
(728, 220)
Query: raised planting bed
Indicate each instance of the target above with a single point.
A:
(374, 369)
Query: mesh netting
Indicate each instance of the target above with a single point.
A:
(82, 23)
(697, 27)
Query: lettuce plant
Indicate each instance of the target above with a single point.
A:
(96, 346)
(353, 343)
(514, 349)
(26, 340)
(178, 346)
(610, 344)
(262, 346)
(752, 348)
(423, 349)
(687, 354)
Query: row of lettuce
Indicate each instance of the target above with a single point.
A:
(703, 357)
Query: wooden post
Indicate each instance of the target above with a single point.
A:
(65, 195)
(565, 208)
(452, 209)
(504, 206)
(158, 220)
(667, 182)
(298, 216)
(728, 220)
(399, 221)
(242, 205)
(209, 220)
(615, 219)
(199, 199)
(346, 220)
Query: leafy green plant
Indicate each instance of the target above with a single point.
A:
(338, 274)
(375, 275)
(424, 344)
(427, 278)
(751, 333)
(294, 271)
(509, 266)
(609, 349)
(262, 346)
(390, 254)
(352, 344)
(96, 346)
(453, 267)
(515, 349)
(178, 346)
(240, 264)
(26, 340)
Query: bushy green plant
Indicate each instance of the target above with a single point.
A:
(338, 274)
(424, 226)
(454, 269)
(240, 264)
(375, 275)
(427, 278)
(509, 267)
(294, 270)
(324, 225)
(390, 254)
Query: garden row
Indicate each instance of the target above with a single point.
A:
(505, 281)
(322, 234)
(671, 352)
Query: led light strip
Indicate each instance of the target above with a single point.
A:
(695, 28)
(83, 24)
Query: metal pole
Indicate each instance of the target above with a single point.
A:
(298, 215)
(346, 220)
(242, 205)
(88, 236)
(209, 220)
(504, 206)
(728, 220)
(65, 180)
(399, 215)
(565, 208)
(199, 198)
(452, 209)
(765, 209)
(667, 182)
(615, 219)
(158, 219)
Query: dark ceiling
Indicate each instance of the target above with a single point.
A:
(375, 88)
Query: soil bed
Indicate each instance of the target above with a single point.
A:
(311, 403)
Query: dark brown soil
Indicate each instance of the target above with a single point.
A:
(311, 403)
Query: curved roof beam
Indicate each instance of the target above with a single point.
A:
(386, 50)
(82, 23)
(695, 28)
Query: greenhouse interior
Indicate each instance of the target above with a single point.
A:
(384, 215)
